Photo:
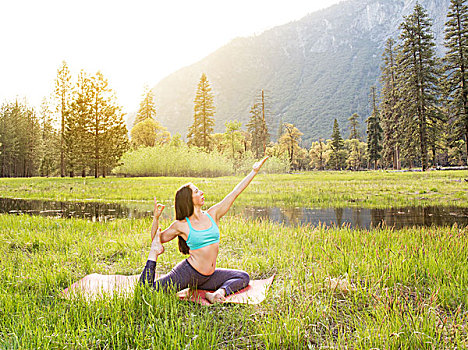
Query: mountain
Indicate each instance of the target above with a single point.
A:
(313, 70)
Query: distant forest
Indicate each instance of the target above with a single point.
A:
(418, 119)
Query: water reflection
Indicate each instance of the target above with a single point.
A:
(363, 218)
(95, 211)
(353, 217)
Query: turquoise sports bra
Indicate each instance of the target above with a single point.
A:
(201, 238)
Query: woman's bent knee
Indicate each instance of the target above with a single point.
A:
(245, 277)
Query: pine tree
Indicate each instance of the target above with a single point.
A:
(78, 138)
(96, 134)
(265, 136)
(100, 119)
(27, 132)
(254, 127)
(32, 143)
(354, 127)
(338, 154)
(353, 145)
(456, 69)
(257, 127)
(204, 110)
(107, 127)
(374, 132)
(8, 139)
(418, 78)
(147, 107)
(49, 142)
(19, 139)
(280, 128)
(62, 98)
(389, 112)
(115, 140)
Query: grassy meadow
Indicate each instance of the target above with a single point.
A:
(373, 189)
(408, 288)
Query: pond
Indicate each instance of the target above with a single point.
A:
(352, 217)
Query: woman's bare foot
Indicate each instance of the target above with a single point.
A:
(156, 247)
(215, 297)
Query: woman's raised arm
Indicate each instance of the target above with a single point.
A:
(220, 209)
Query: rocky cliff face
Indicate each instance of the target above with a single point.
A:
(312, 70)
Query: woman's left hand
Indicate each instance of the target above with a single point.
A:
(256, 167)
(158, 209)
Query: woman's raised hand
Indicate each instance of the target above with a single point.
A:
(158, 209)
(256, 167)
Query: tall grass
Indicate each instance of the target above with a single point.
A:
(410, 288)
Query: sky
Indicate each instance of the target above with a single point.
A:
(133, 43)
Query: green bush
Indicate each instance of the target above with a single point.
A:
(274, 165)
(167, 160)
(170, 160)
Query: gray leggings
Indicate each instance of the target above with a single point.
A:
(183, 275)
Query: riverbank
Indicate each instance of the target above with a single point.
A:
(370, 189)
(407, 288)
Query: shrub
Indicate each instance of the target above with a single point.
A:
(168, 160)
(171, 160)
(274, 165)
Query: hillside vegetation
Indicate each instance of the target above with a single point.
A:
(313, 70)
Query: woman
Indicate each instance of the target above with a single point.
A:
(198, 235)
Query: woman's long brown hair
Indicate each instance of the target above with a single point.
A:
(183, 209)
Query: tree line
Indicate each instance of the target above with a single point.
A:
(421, 115)
(424, 107)
(234, 142)
(254, 142)
(79, 130)
(419, 118)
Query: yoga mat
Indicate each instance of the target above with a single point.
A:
(95, 286)
(253, 294)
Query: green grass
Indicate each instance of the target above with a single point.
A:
(373, 189)
(411, 288)
(411, 284)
